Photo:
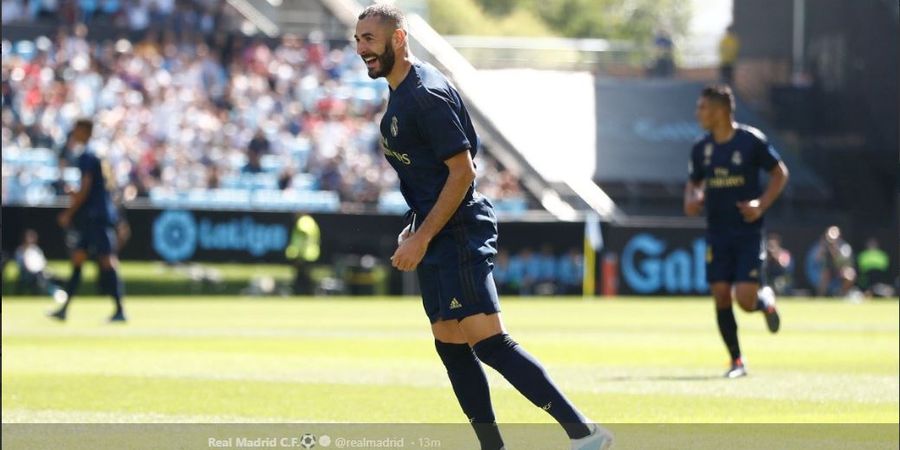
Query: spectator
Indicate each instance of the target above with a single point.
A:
(835, 256)
(516, 276)
(254, 162)
(213, 180)
(729, 47)
(32, 264)
(779, 265)
(664, 55)
(304, 250)
(503, 276)
(546, 279)
(259, 143)
(531, 265)
(874, 264)
(570, 271)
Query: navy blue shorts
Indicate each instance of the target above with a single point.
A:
(455, 276)
(99, 240)
(735, 258)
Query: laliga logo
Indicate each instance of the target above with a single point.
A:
(177, 235)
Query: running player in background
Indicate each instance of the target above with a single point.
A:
(724, 172)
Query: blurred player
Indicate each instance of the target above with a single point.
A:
(429, 139)
(724, 177)
(90, 223)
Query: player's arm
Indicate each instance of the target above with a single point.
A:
(778, 178)
(754, 209)
(694, 189)
(462, 174)
(460, 178)
(693, 198)
(77, 199)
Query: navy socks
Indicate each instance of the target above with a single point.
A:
(110, 281)
(72, 285)
(527, 375)
(471, 388)
(728, 330)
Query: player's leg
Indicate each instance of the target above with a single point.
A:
(746, 294)
(473, 300)
(721, 292)
(469, 382)
(486, 334)
(466, 375)
(79, 256)
(109, 271)
(112, 283)
(750, 289)
(720, 266)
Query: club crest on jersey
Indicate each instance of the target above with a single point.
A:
(736, 158)
(707, 154)
(394, 127)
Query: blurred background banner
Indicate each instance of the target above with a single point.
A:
(671, 260)
(176, 236)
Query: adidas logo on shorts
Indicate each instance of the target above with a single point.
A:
(455, 303)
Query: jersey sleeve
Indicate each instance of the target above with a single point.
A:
(695, 165)
(766, 155)
(88, 165)
(442, 129)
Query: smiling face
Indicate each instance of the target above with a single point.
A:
(375, 40)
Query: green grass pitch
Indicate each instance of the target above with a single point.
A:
(232, 359)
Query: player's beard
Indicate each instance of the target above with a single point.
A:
(385, 62)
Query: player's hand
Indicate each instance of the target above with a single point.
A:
(64, 219)
(694, 205)
(404, 235)
(410, 253)
(751, 210)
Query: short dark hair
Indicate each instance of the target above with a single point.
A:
(719, 93)
(387, 13)
(86, 124)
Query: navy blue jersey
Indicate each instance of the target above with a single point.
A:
(731, 171)
(425, 123)
(98, 208)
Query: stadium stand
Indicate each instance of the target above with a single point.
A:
(204, 120)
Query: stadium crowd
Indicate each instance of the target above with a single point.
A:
(185, 112)
(200, 15)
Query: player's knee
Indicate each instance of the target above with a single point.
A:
(747, 297)
(78, 258)
(491, 349)
(448, 332)
(722, 298)
(107, 262)
(454, 356)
